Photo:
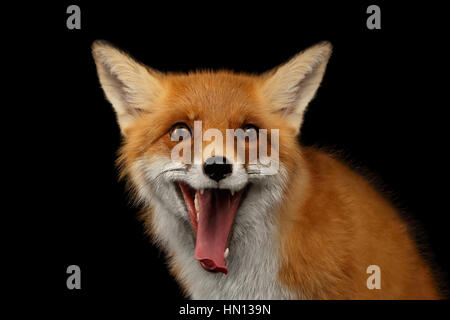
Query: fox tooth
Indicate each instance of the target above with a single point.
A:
(226, 253)
(232, 192)
(198, 215)
(201, 191)
(196, 203)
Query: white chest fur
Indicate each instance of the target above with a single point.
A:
(253, 262)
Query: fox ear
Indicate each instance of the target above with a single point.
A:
(128, 85)
(291, 86)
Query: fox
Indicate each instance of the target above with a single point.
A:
(229, 230)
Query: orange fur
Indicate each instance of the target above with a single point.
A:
(341, 228)
(332, 224)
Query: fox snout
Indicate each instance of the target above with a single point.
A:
(217, 168)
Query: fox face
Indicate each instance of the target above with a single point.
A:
(213, 209)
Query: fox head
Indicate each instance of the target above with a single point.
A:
(212, 212)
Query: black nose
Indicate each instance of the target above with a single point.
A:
(217, 168)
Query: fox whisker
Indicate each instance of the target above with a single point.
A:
(182, 170)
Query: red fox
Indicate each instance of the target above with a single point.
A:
(312, 229)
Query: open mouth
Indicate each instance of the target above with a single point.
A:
(212, 213)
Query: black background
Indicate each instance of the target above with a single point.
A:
(382, 102)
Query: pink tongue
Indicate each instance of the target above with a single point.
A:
(217, 210)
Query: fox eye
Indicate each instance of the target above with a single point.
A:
(251, 131)
(179, 130)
